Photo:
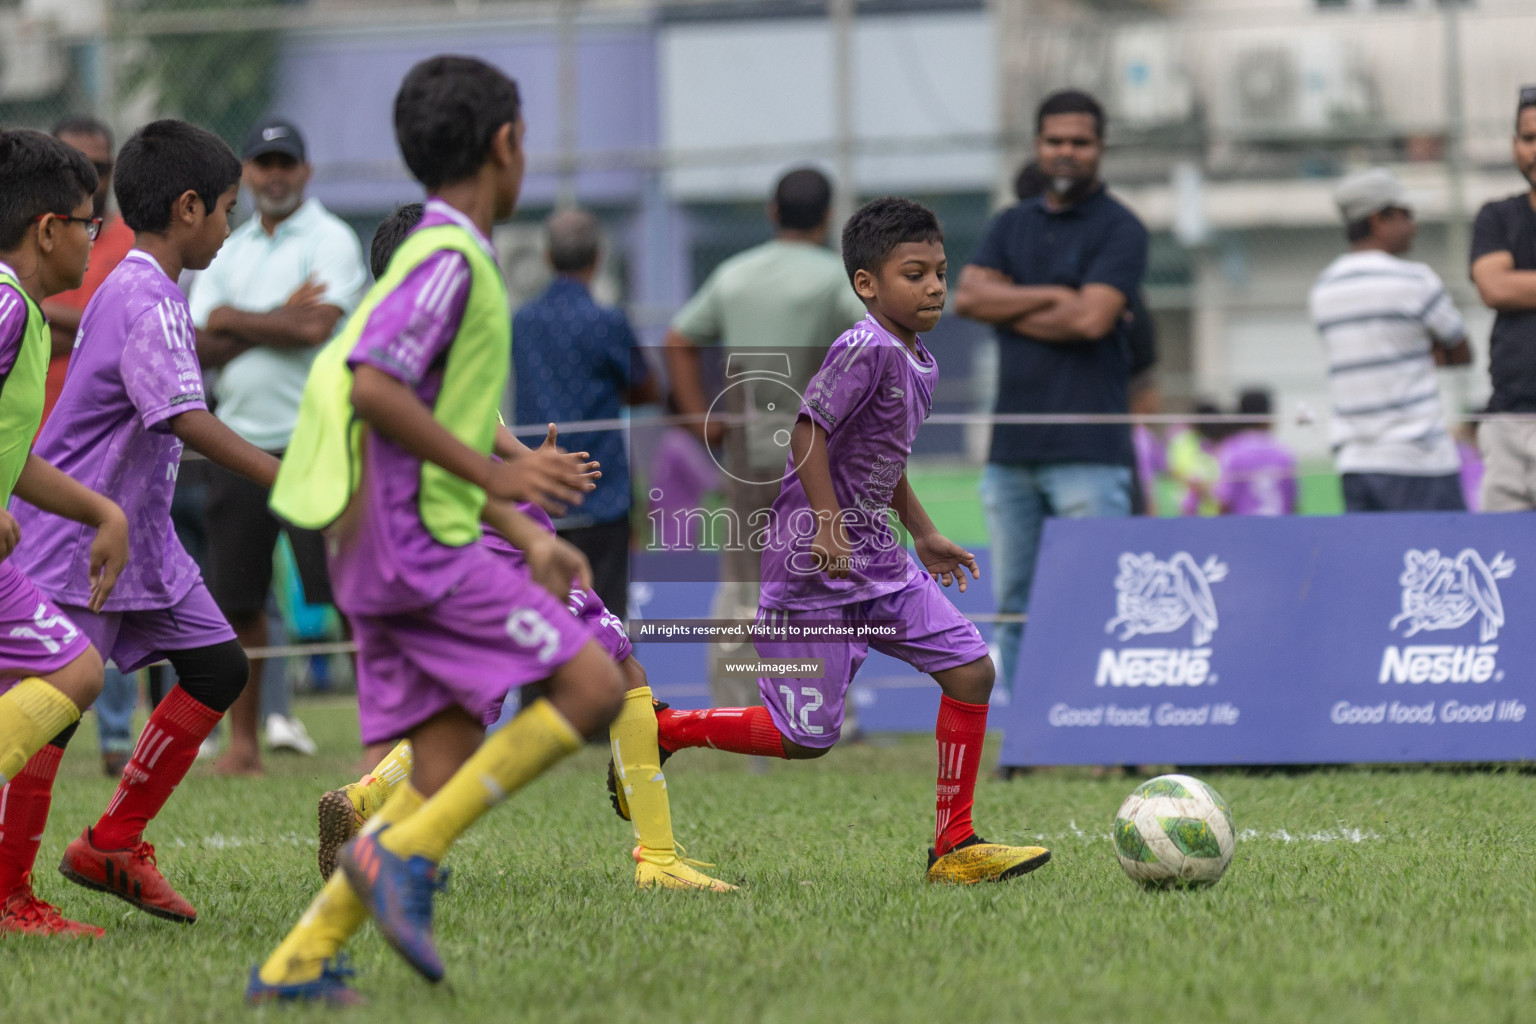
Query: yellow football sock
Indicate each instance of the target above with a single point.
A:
(31, 713)
(508, 760)
(334, 914)
(638, 763)
(388, 773)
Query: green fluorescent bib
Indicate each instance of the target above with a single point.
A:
(21, 394)
(321, 470)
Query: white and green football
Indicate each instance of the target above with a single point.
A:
(1174, 830)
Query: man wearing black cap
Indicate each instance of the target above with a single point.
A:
(1504, 270)
(276, 292)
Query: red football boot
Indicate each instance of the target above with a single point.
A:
(22, 913)
(130, 875)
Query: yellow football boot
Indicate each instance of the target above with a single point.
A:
(342, 813)
(677, 873)
(977, 860)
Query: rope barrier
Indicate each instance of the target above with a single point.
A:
(349, 647)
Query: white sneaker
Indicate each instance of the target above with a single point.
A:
(288, 733)
(209, 747)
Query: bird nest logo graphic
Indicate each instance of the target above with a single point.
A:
(1153, 596)
(1441, 592)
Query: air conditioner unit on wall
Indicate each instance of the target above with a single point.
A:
(1151, 85)
(33, 63)
(1310, 83)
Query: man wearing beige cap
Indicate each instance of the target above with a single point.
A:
(1386, 323)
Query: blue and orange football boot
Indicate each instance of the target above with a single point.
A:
(397, 893)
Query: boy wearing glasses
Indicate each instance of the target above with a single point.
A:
(132, 398)
(49, 671)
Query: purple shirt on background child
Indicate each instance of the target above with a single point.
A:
(134, 367)
(383, 560)
(1258, 475)
(871, 396)
(682, 471)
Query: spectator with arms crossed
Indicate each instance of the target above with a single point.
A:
(278, 290)
(1504, 270)
(1053, 275)
(1385, 323)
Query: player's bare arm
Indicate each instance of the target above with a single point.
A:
(201, 431)
(303, 321)
(390, 407)
(990, 296)
(1501, 286)
(945, 560)
(687, 379)
(53, 490)
(1087, 314)
(10, 534)
(831, 545)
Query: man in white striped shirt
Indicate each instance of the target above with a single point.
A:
(1386, 323)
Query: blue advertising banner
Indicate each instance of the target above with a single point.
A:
(1391, 637)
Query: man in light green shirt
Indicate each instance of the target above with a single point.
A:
(281, 286)
(775, 308)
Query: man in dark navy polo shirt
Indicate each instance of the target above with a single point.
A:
(1504, 270)
(575, 360)
(1053, 275)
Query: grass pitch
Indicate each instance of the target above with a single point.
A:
(1354, 896)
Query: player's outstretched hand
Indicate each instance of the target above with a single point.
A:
(10, 534)
(830, 549)
(590, 468)
(945, 560)
(554, 563)
(109, 554)
(549, 478)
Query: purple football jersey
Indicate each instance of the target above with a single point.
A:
(1257, 477)
(13, 323)
(134, 368)
(871, 396)
(383, 559)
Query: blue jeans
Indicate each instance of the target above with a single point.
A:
(1018, 497)
(114, 711)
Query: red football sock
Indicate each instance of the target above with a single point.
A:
(738, 730)
(165, 752)
(23, 815)
(961, 730)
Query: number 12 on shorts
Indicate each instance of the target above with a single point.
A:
(814, 700)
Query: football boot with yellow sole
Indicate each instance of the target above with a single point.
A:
(976, 860)
(678, 873)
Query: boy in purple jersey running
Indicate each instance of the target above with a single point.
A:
(832, 560)
(393, 451)
(49, 672)
(642, 798)
(133, 396)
